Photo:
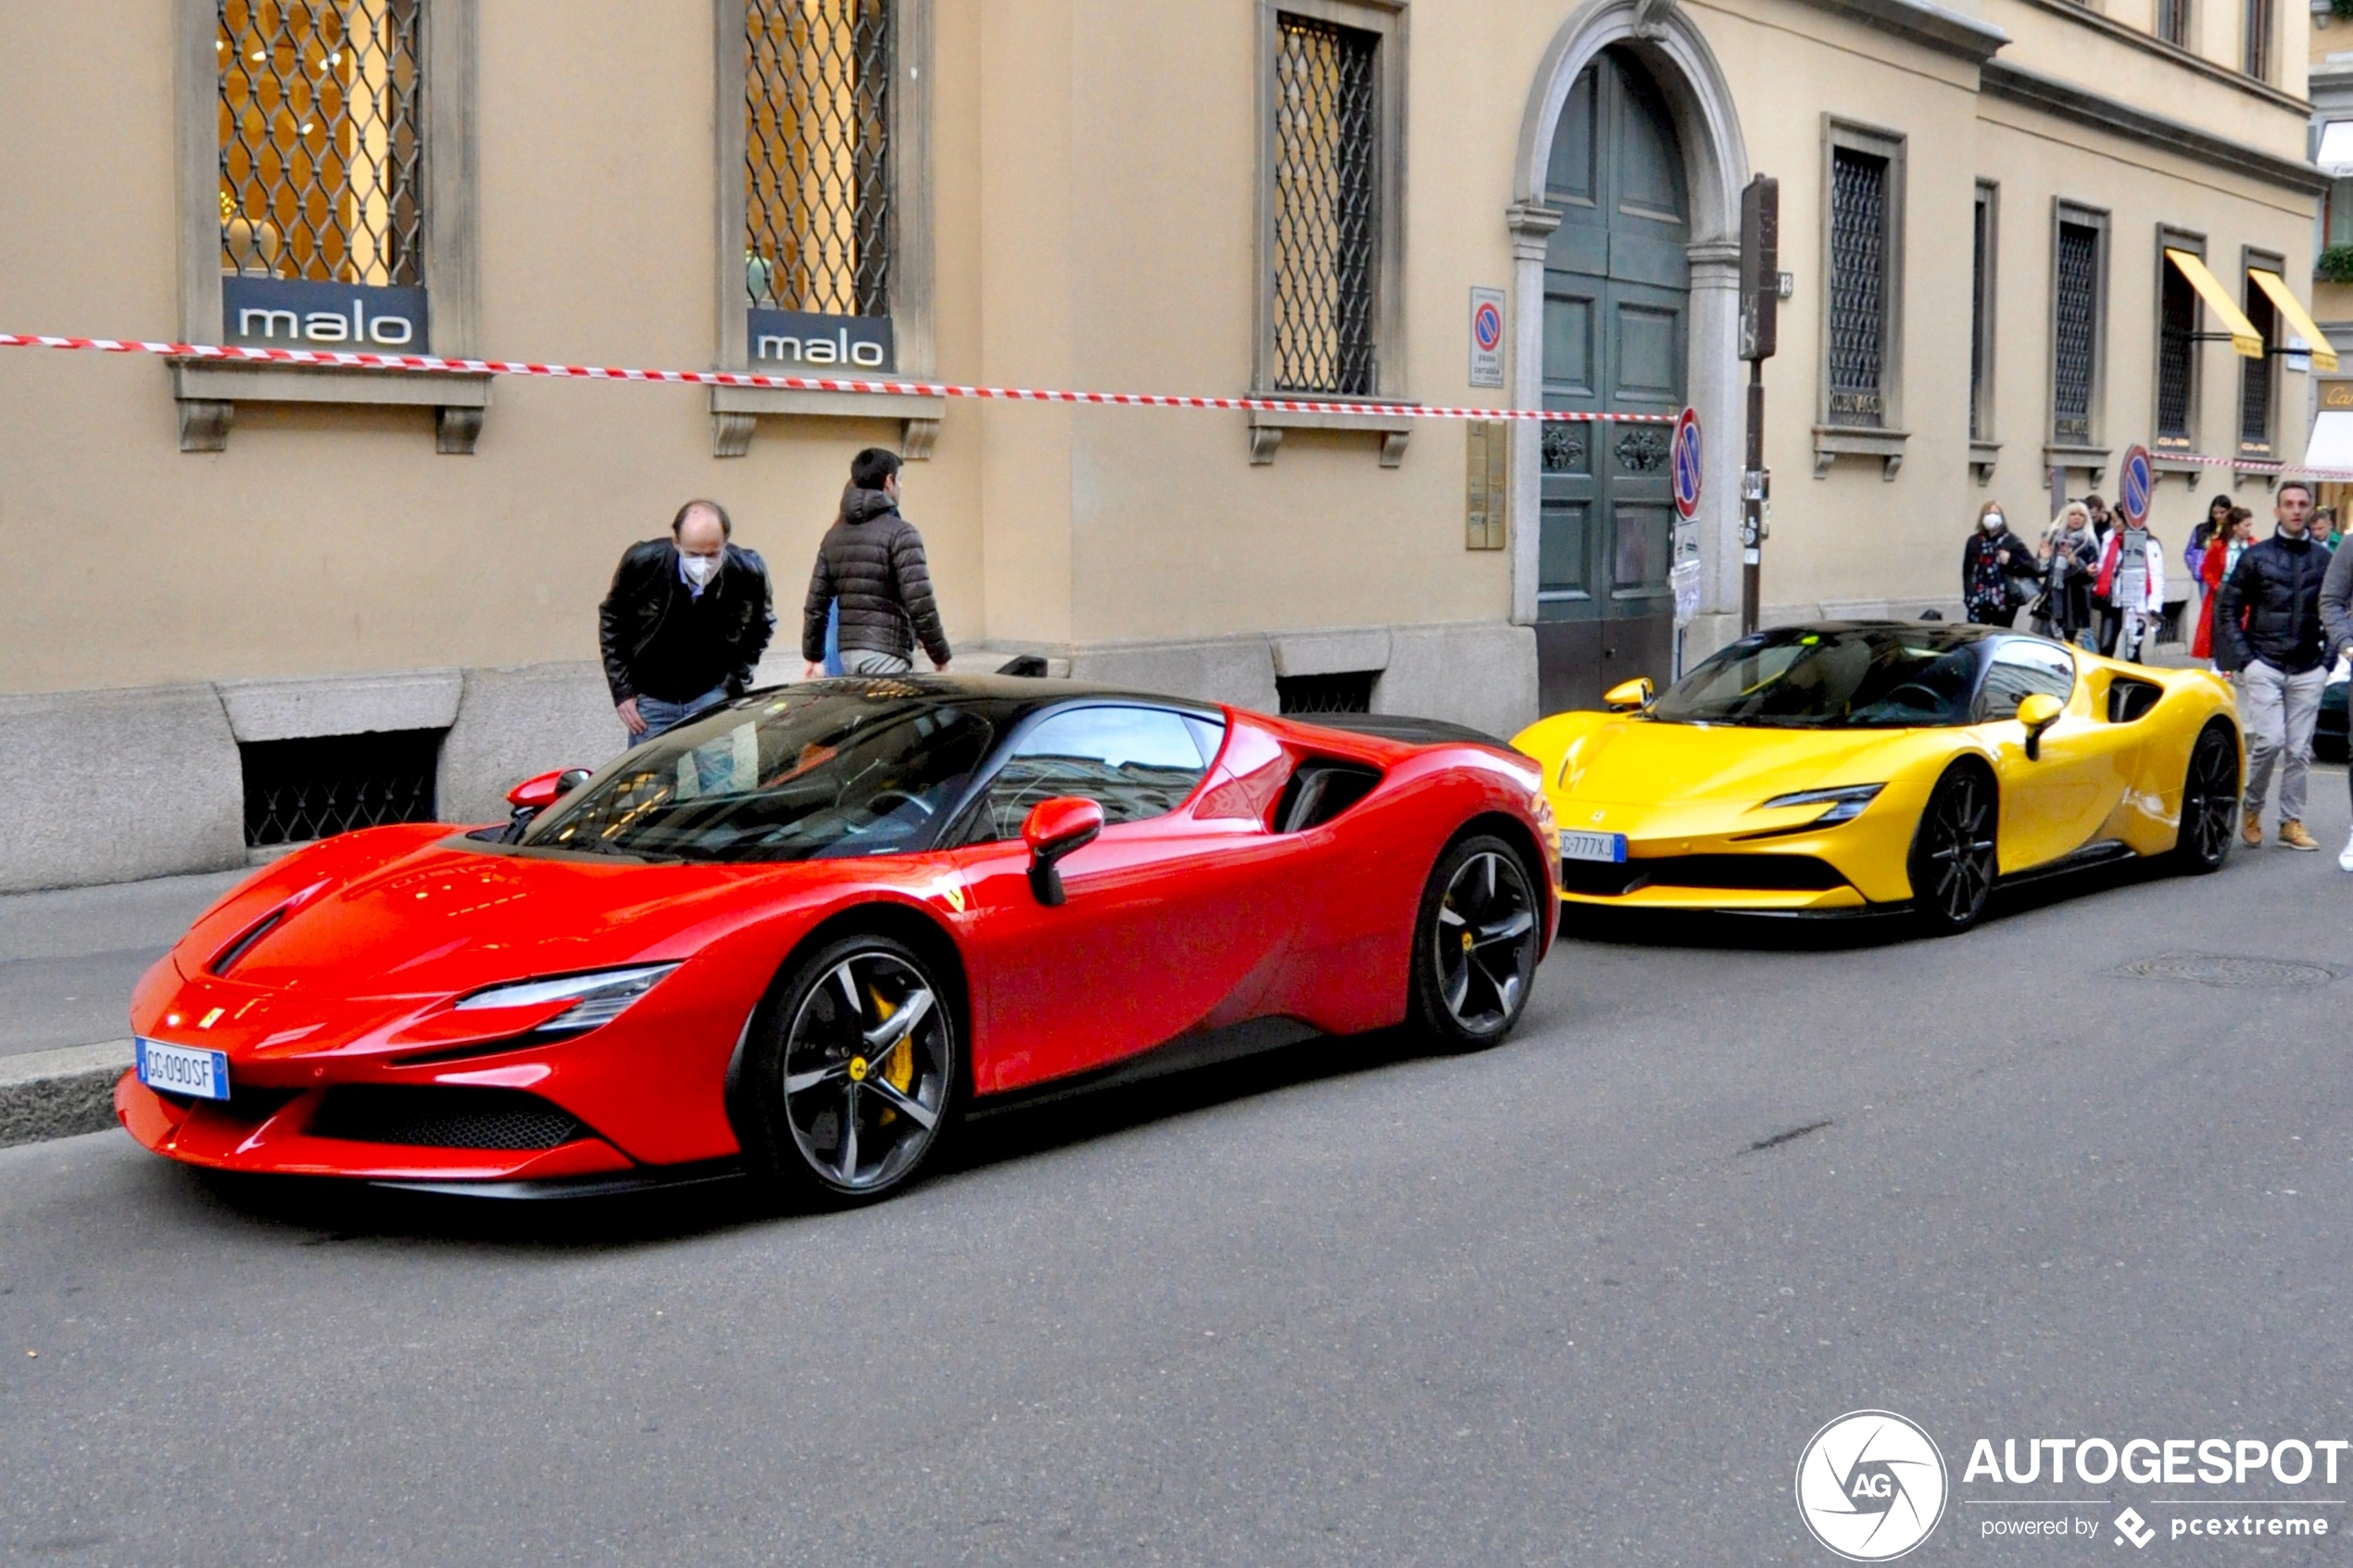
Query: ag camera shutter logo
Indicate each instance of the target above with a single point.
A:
(1870, 1485)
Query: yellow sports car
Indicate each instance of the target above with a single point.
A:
(1855, 767)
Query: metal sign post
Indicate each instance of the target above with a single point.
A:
(1760, 301)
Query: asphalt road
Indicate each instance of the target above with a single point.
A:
(69, 959)
(1567, 1301)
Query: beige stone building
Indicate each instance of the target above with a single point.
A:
(247, 603)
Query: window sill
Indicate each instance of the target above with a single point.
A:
(2095, 459)
(208, 392)
(737, 410)
(1392, 422)
(1834, 441)
(1983, 456)
(2163, 465)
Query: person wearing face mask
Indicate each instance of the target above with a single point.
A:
(1991, 558)
(685, 623)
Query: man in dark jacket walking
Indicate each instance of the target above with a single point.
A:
(871, 561)
(2268, 635)
(685, 623)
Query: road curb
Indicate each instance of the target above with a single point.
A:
(58, 1094)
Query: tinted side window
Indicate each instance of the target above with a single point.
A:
(2016, 671)
(1134, 762)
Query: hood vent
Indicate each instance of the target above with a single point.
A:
(228, 957)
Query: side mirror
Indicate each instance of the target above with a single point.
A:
(1628, 695)
(1054, 829)
(538, 792)
(2038, 712)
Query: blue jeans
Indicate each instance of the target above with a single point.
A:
(660, 715)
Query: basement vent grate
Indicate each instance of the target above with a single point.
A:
(2230, 973)
(1347, 690)
(298, 790)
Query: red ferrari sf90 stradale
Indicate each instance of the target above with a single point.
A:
(803, 933)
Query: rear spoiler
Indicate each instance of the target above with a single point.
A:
(1401, 727)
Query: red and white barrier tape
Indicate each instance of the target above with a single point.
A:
(2248, 465)
(434, 362)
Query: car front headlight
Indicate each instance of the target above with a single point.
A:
(598, 997)
(1845, 803)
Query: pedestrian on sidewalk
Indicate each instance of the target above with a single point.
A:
(685, 623)
(2224, 548)
(2215, 525)
(2133, 581)
(2068, 560)
(2336, 625)
(1989, 560)
(871, 561)
(2104, 621)
(2268, 635)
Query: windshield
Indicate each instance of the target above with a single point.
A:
(1876, 677)
(811, 774)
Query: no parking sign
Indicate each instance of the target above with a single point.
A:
(2140, 483)
(1487, 337)
(1686, 464)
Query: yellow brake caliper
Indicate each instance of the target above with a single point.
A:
(898, 1067)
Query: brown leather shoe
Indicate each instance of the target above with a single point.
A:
(2251, 830)
(2295, 837)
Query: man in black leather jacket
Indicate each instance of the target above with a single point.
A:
(685, 623)
(2267, 636)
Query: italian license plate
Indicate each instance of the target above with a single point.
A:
(1607, 847)
(179, 1070)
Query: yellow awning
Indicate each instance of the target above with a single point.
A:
(2244, 339)
(2299, 321)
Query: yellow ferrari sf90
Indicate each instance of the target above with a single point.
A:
(1855, 767)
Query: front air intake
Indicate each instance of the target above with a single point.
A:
(434, 1117)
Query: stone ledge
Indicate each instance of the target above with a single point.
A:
(735, 412)
(341, 705)
(61, 1094)
(209, 391)
(1394, 425)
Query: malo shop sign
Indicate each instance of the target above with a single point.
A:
(285, 313)
(797, 340)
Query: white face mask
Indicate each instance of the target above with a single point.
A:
(1990, 522)
(700, 569)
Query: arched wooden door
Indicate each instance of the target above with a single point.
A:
(1616, 298)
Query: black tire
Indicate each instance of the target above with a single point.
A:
(1475, 940)
(1953, 862)
(833, 1095)
(2209, 803)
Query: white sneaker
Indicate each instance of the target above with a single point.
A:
(2345, 860)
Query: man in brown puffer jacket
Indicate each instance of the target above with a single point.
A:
(871, 561)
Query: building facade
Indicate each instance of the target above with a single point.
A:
(253, 602)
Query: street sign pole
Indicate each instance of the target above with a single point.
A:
(1760, 301)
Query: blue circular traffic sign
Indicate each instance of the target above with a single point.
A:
(2140, 483)
(1686, 464)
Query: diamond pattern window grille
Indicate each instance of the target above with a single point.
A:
(2255, 377)
(2075, 333)
(321, 144)
(1859, 288)
(817, 208)
(1327, 207)
(2176, 326)
(298, 790)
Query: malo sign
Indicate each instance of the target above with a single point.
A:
(798, 340)
(292, 313)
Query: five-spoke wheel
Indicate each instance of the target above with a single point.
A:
(2209, 802)
(854, 1073)
(1475, 945)
(1953, 857)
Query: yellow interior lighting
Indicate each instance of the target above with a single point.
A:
(2244, 339)
(2298, 319)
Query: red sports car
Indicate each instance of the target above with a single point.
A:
(801, 933)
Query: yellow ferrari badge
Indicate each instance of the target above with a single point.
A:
(954, 893)
(857, 1069)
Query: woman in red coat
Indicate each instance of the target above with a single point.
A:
(2222, 554)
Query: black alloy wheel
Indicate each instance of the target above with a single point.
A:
(854, 1075)
(2209, 803)
(1953, 857)
(1476, 944)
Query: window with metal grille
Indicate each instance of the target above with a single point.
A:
(1980, 334)
(1326, 201)
(2075, 333)
(2256, 43)
(2176, 357)
(2255, 377)
(298, 790)
(817, 177)
(1857, 288)
(2173, 22)
(322, 144)
(1345, 690)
